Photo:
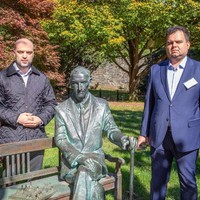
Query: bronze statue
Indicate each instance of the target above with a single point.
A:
(80, 121)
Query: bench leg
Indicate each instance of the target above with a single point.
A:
(118, 187)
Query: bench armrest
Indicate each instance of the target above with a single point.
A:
(118, 162)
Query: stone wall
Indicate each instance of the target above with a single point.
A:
(110, 77)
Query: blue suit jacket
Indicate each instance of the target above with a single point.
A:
(182, 113)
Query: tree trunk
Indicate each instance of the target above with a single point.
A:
(134, 67)
(133, 93)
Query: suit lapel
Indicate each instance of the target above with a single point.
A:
(163, 76)
(93, 117)
(74, 119)
(187, 74)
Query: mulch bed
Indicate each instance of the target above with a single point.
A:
(127, 104)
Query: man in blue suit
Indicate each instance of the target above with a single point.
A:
(171, 118)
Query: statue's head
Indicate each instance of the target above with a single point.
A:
(80, 80)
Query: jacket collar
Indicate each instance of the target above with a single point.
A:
(11, 70)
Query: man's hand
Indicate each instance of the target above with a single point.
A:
(28, 120)
(23, 117)
(142, 141)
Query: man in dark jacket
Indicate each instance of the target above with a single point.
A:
(27, 100)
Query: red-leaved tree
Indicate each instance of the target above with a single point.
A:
(21, 18)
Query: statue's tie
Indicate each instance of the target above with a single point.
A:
(82, 122)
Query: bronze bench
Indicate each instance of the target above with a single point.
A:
(17, 171)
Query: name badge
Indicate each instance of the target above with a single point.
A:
(190, 83)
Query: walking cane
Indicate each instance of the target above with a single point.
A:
(133, 145)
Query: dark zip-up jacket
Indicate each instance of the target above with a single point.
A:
(37, 98)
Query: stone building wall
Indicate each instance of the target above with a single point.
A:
(110, 77)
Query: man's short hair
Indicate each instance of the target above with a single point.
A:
(23, 41)
(174, 29)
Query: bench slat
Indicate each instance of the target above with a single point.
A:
(29, 176)
(26, 146)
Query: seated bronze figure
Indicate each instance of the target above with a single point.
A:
(80, 121)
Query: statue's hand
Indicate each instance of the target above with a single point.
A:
(92, 166)
(82, 160)
(125, 142)
(88, 162)
(128, 143)
(133, 143)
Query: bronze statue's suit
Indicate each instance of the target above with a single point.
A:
(68, 136)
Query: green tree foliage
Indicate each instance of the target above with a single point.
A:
(21, 18)
(90, 32)
(78, 28)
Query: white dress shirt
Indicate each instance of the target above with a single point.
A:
(174, 76)
(24, 76)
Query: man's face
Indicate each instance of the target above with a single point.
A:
(80, 84)
(177, 47)
(24, 54)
